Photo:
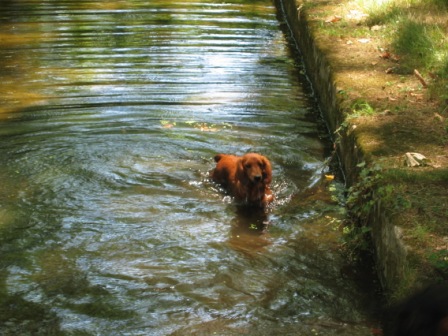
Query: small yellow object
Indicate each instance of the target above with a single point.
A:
(329, 177)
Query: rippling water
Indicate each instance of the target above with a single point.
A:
(111, 112)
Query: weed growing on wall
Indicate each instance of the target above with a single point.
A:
(362, 197)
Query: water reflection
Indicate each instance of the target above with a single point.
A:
(110, 116)
(249, 230)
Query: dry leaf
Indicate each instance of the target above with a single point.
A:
(333, 19)
(389, 56)
(418, 96)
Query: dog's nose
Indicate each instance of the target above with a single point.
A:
(257, 178)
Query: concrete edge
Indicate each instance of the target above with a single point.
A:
(390, 252)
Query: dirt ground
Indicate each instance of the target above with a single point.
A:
(396, 107)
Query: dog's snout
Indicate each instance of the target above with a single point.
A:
(257, 178)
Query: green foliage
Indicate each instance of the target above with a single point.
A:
(362, 108)
(356, 239)
(365, 193)
(414, 40)
(361, 199)
(416, 30)
(439, 260)
(419, 233)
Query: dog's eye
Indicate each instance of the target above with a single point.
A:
(247, 166)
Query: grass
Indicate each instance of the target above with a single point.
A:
(374, 46)
(415, 30)
(362, 108)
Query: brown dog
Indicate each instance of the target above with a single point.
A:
(246, 177)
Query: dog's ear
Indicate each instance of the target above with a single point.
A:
(241, 172)
(267, 171)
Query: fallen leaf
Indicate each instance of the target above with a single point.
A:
(418, 96)
(441, 248)
(333, 19)
(389, 56)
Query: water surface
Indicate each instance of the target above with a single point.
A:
(110, 114)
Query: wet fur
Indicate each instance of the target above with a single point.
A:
(246, 178)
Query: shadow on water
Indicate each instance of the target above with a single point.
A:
(111, 113)
(248, 230)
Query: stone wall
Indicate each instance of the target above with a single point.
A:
(390, 253)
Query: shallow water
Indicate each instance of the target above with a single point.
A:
(110, 115)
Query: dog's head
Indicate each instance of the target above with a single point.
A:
(254, 168)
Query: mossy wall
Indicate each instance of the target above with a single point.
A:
(390, 253)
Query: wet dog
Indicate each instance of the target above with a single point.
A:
(246, 178)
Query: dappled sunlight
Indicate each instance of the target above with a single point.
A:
(392, 54)
(391, 68)
(15, 39)
(14, 100)
(112, 114)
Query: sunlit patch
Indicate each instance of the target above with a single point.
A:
(14, 99)
(22, 38)
(220, 63)
(115, 207)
